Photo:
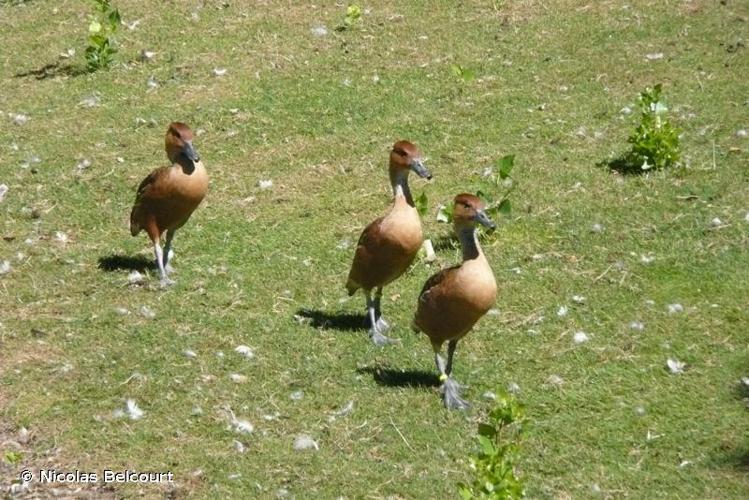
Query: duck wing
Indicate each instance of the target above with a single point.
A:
(150, 188)
(366, 247)
(436, 280)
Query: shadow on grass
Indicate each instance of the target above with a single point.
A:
(401, 378)
(623, 164)
(52, 70)
(125, 262)
(742, 391)
(334, 321)
(733, 455)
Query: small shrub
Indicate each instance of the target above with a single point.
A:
(466, 75)
(101, 49)
(494, 474)
(655, 142)
(353, 16)
(422, 204)
(497, 201)
(13, 457)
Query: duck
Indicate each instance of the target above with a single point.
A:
(169, 195)
(389, 244)
(454, 299)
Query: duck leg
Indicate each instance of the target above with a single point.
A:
(168, 251)
(450, 387)
(382, 325)
(375, 330)
(165, 281)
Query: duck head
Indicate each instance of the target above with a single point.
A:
(179, 143)
(406, 157)
(469, 211)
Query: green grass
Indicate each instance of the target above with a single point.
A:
(317, 116)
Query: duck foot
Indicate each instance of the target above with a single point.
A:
(381, 340)
(451, 396)
(377, 334)
(382, 325)
(166, 282)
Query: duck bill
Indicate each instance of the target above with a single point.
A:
(485, 221)
(418, 167)
(189, 151)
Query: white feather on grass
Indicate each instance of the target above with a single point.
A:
(305, 442)
(131, 411)
(245, 351)
(580, 337)
(675, 308)
(675, 366)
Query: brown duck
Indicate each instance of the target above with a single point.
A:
(454, 299)
(388, 245)
(169, 195)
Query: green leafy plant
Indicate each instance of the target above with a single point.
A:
(495, 190)
(655, 142)
(494, 466)
(422, 204)
(353, 16)
(13, 457)
(498, 187)
(465, 74)
(102, 26)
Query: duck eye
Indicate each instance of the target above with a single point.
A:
(176, 133)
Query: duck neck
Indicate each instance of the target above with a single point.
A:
(186, 164)
(399, 181)
(470, 243)
(178, 159)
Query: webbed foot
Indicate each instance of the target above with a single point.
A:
(377, 333)
(166, 282)
(451, 396)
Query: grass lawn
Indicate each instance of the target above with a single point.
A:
(316, 111)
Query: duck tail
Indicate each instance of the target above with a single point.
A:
(135, 226)
(351, 287)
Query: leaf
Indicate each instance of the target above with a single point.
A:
(114, 19)
(487, 430)
(445, 213)
(422, 204)
(505, 208)
(457, 70)
(13, 457)
(505, 165)
(353, 14)
(353, 11)
(487, 445)
(464, 491)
